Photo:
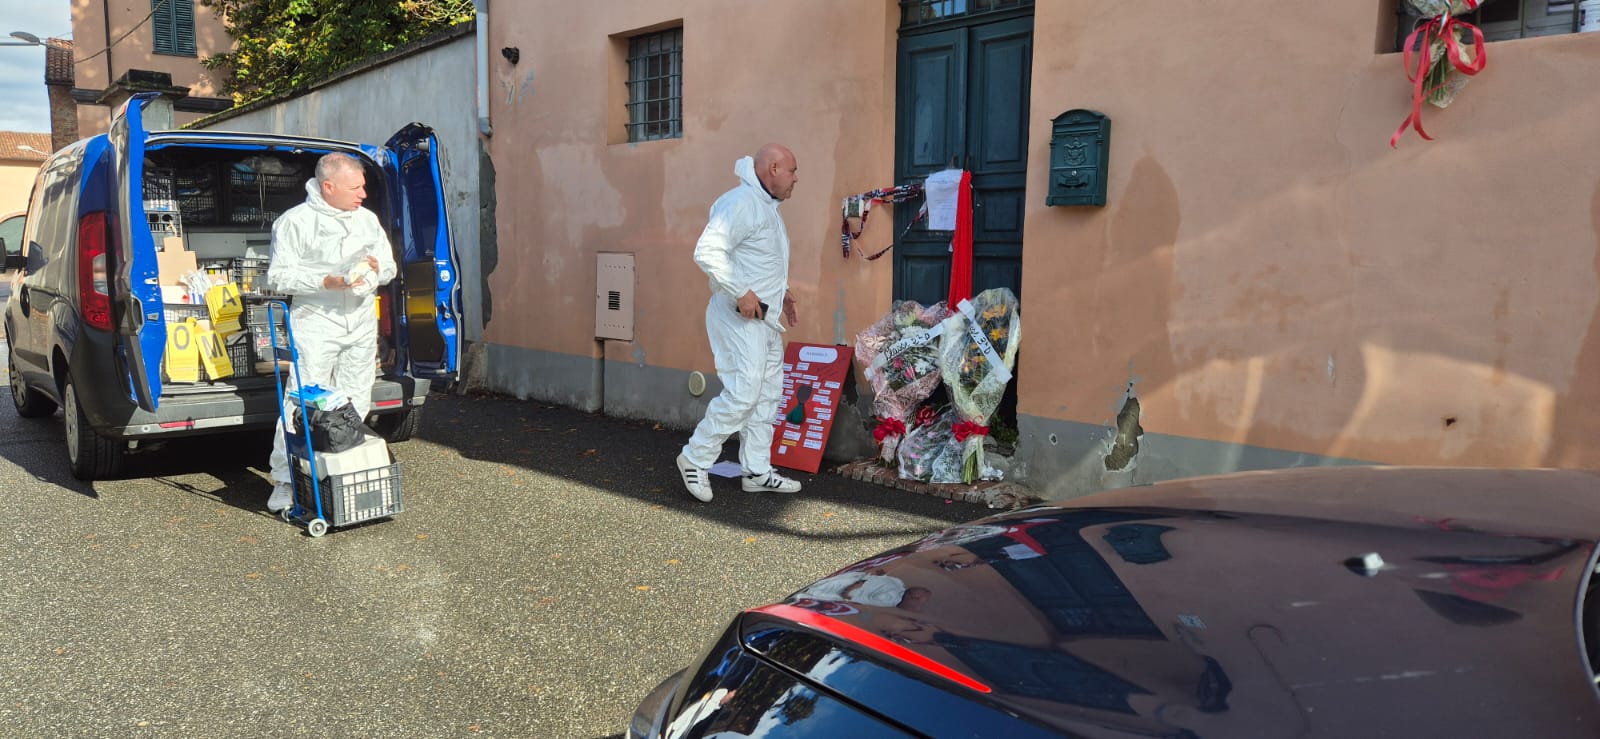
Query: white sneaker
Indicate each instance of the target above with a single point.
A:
(282, 497)
(696, 479)
(770, 482)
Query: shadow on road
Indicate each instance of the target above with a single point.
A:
(635, 459)
(36, 446)
(238, 461)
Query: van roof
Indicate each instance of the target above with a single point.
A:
(253, 140)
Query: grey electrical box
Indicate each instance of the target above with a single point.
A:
(1080, 151)
(613, 297)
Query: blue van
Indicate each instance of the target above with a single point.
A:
(87, 324)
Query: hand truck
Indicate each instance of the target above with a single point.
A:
(349, 498)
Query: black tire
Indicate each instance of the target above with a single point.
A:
(91, 457)
(30, 403)
(396, 427)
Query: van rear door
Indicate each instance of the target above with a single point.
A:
(140, 323)
(427, 339)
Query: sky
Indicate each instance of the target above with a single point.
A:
(23, 103)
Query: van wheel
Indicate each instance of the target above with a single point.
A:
(91, 457)
(394, 427)
(30, 403)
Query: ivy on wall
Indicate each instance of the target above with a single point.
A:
(280, 45)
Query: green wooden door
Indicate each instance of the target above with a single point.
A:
(962, 100)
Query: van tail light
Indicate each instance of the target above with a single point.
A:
(94, 286)
(868, 640)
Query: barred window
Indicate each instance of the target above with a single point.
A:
(1502, 20)
(173, 24)
(655, 85)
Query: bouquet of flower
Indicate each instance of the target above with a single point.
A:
(1446, 51)
(975, 358)
(900, 357)
(928, 452)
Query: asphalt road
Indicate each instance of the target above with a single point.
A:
(547, 572)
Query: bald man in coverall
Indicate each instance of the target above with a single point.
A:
(744, 250)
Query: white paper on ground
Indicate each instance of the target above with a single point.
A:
(726, 468)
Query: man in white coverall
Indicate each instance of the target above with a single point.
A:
(330, 255)
(745, 252)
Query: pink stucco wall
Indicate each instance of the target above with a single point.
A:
(1269, 271)
(816, 76)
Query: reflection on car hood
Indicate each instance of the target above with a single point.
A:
(1304, 603)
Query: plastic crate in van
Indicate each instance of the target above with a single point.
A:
(160, 192)
(259, 197)
(179, 312)
(163, 223)
(238, 356)
(255, 322)
(250, 274)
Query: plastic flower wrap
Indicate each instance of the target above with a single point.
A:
(976, 356)
(900, 357)
(1441, 53)
(929, 453)
(1432, 8)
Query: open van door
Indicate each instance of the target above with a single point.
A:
(139, 320)
(427, 341)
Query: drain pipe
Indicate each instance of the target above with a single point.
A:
(482, 11)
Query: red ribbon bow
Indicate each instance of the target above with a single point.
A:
(888, 427)
(1444, 27)
(969, 428)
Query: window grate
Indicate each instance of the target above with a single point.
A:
(655, 86)
(1502, 20)
(915, 13)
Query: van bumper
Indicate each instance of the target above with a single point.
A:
(241, 410)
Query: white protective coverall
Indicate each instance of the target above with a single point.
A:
(745, 247)
(335, 331)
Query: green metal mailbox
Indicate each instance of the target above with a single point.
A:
(1080, 149)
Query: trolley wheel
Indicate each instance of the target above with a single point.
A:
(317, 527)
(287, 514)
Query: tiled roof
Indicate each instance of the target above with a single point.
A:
(11, 140)
(58, 62)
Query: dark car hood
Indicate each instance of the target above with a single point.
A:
(1247, 605)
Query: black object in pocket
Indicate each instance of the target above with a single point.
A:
(334, 431)
(763, 309)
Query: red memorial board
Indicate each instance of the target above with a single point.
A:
(813, 381)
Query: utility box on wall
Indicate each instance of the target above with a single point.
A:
(613, 297)
(1080, 152)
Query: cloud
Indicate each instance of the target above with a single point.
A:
(24, 106)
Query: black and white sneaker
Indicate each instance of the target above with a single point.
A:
(769, 482)
(697, 480)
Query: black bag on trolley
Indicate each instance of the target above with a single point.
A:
(334, 431)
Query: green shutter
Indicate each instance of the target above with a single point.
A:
(173, 26)
(183, 25)
(161, 24)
